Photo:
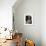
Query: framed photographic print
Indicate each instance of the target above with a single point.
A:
(28, 19)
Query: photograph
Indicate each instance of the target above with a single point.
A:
(28, 19)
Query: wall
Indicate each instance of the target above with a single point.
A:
(6, 13)
(43, 22)
(30, 31)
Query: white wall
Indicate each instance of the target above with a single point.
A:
(6, 13)
(43, 22)
(38, 30)
(33, 31)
